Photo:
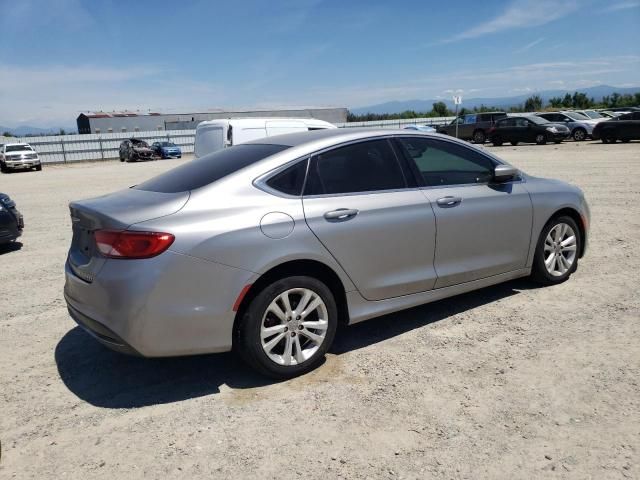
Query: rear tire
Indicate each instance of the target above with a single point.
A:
(497, 141)
(515, 144)
(556, 256)
(3, 168)
(625, 140)
(479, 136)
(557, 142)
(294, 345)
(579, 134)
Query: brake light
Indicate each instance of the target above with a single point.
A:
(131, 245)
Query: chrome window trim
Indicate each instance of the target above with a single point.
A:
(260, 182)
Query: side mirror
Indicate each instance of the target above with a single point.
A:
(504, 173)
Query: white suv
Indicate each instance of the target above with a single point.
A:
(18, 155)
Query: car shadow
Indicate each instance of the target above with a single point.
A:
(10, 247)
(108, 379)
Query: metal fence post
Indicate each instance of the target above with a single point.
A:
(101, 150)
(64, 154)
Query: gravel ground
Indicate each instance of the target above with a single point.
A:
(512, 381)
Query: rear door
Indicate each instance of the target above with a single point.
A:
(209, 139)
(522, 132)
(372, 218)
(483, 229)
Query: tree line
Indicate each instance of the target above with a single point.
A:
(534, 103)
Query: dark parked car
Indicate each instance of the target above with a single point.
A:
(11, 221)
(134, 149)
(166, 149)
(625, 128)
(473, 126)
(527, 129)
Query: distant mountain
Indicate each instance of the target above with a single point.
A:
(503, 102)
(24, 130)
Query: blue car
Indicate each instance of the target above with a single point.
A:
(420, 128)
(166, 149)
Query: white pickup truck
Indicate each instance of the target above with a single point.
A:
(18, 155)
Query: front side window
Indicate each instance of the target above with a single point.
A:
(522, 122)
(508, 122)
(361, 167)
(468, 119)
(445, 163)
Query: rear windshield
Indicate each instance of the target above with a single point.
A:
(537, 119)
(210, 168)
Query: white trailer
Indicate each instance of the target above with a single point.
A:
(214, 135)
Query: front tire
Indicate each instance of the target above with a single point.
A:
(479, 136)
(497, 141)
(557, 251)
(515, 144)
(39, 168)
(288, 327)
(541, 139)
(579, 134)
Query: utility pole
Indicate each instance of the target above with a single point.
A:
(457, 99)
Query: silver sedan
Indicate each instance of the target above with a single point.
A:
(266, 247)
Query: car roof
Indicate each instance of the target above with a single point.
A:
(21, 144)
(318, 139)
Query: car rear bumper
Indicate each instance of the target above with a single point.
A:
(169, 305)
(11, 225)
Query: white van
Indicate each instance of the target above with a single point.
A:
(213, 135)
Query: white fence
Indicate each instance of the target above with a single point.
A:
(104, 146)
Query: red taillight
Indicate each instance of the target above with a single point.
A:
(126, 244)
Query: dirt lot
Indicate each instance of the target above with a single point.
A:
(512, 381)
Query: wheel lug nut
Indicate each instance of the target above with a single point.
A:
(293, 334)
(286, 329)
(298, 317)
(299, 327)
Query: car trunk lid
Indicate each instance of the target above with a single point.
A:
(116, 211)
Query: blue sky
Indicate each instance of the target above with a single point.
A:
(60, 57)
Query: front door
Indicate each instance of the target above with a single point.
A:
(378, 227)
(483, 229)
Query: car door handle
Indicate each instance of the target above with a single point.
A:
(341, 214)
(447, 202)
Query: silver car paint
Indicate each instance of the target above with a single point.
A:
(181, 302)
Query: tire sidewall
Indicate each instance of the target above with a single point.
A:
(250, 342)
(540, 272)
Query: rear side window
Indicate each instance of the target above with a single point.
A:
(362, 167)
(291, 180)
(507, 122)
(210, 168)
(447, 163)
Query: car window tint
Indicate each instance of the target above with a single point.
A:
(521, 122)
(447, 163)
(290, 180)
(468, 119)
(509, 122)
(360, 167)
(208, 169)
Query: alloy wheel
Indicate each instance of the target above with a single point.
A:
(579, 135)
(560, 248)
(294, 326)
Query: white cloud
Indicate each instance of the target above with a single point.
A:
(56, 95)
(520, 14)
(530, 45)
(623, 6)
